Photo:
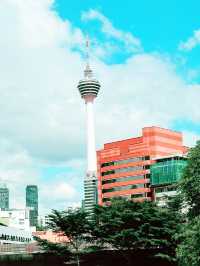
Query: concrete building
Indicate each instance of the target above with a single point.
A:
(43, 221)
(4, 197)
(16, 218)
(89, 88)
(32, 203)
(124, 167)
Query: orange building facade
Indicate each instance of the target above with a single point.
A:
(124, 166)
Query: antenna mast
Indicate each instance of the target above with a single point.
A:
(88, 72)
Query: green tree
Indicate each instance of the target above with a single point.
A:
(190, 183)
(130, 226)
(176, 205)
(74, 225)
(60, 250)
(188, 252)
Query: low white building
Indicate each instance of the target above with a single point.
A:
(9, 235)
(16, 218)
(163, 194)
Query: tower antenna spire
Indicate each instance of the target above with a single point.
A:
(87, 45)
(88, 72)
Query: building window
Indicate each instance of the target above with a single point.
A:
(135, 159)
(107, 164)
(121, 179)
(110, 172)
(134, 196)
(113, 189)
(123, 170)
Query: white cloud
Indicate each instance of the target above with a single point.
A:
(63, 190)
(58, 191)
(131, 42)
(190, 138)
(192, 42)
(38, 93)
(42, 115)
(57, 194)
(144, 91)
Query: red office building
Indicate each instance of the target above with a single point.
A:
(124, 166)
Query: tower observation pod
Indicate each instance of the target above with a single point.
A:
(89, 88)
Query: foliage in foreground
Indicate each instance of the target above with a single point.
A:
(188, 252)
(130, 226)
(74, 225)
(60, 250)
(190, 183)
(124, 225)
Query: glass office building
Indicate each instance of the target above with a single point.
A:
(4, 197)
(32, 203)
(167, 170)
(165, 175)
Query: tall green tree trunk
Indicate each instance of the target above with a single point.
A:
(77, 260)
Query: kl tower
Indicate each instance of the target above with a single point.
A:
(89, 88)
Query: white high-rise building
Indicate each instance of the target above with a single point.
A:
(89, 88)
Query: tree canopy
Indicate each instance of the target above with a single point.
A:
(124, 225)
(188, 251)
(190, 183)
(128, 225)
(74, 225)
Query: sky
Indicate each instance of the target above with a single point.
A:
(144, 53)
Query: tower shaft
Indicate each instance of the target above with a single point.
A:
(91, 149)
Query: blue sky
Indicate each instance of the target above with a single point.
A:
(144, 53)
(160, 25)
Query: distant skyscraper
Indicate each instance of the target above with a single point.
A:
(89, 88)
(4, 197)
(32, 203)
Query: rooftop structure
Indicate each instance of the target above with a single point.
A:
(53, 237)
